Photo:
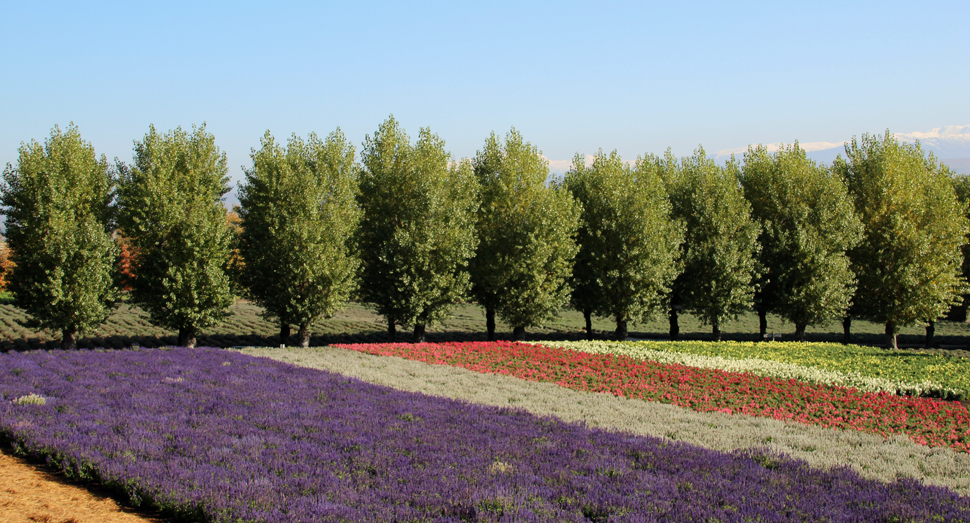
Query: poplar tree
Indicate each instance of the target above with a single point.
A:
(59, 221)
(808, 224)
(720, 249)
(299, 212)
(909, 261)
(417, 230)
(172, 213)
(628, 243)
(526, 231)
(961, 183)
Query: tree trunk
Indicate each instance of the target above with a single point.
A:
(716, 329)
(621, 333)
(846, 330)
(762, 323)
(674, 324)
(930, 331)
(418, 333)
(518, 333)
(69, 339)
(891, 335)
(392, 330)
(187, 337)
(800, 331)
(304, 335)
(490, 322)
(284, 333)
(588, 316)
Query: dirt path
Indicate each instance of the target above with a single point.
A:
(33, 494)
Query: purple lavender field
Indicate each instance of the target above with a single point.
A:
(214, 435)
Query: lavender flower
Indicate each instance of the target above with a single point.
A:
(259, 440)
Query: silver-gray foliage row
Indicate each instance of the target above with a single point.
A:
(59, 222)
(526, 232)
(171, 210)
(299, 213)
(417, 231)
(872, 455)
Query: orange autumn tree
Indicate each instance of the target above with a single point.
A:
(126, 262)
(6, 264)
(236, 262)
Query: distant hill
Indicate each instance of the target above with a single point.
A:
(946, 142)
(950, 145)
(960, 165)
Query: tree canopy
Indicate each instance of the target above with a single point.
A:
(720, 249)
(59, 221)
(299, 213)
(417, 230)
(526, 232)
(628, 243)
(171, 211)
(909, 261)
(808, 224)
(961, 183)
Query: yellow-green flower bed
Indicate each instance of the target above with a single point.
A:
(865, 368)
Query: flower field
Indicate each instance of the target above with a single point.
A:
(864, 368)
(927, 373)
(220, 436)
(926, 421)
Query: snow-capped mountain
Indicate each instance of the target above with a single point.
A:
(950, 145)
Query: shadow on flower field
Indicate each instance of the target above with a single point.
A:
(225, 436)
(244, 326)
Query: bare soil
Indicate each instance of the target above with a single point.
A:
(34, 493)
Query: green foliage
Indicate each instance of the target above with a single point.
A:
(526, 233)
(909, 261)
(299, 213)
(59, 224)
(30, 399)
(721, 242)
(628, 242)
(961, 183)
(808, 223)
(417, 232)
(171, 211)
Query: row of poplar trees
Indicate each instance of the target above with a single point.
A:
(877, 235)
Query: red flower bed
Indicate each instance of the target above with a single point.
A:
(927, 421)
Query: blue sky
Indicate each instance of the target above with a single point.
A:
(573, 77)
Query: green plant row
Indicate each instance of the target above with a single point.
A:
(871, 369)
